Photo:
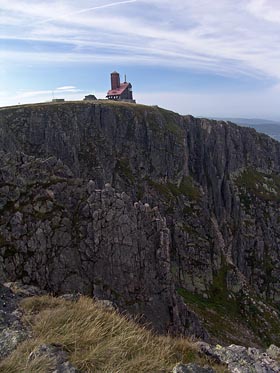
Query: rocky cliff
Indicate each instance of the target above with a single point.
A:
(186, 234)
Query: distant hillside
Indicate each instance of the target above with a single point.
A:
(269, 127)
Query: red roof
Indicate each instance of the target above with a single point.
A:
(118, 91)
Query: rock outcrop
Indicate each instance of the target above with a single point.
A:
(56, 355)
(242, 359)
(63, 235)
(12, 330)
(236, 359)
(205, 233)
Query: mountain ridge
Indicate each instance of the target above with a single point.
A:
(269, 127)
(219, 248)
(245, 121)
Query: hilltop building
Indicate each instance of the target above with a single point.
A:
(120, 91)
(58, 100)
(90, 98)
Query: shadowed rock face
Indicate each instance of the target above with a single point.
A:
(214, 238)
(64, 235)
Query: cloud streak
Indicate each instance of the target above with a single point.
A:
(69, 93)
(86, 10)
(43, 92)
(232, 38)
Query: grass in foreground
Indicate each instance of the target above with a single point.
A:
(97, 340)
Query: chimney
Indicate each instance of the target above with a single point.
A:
(115, 80)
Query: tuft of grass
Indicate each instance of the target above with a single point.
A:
(96, 339)
(34, 305)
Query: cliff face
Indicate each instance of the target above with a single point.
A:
(210, 237)
(62, 234)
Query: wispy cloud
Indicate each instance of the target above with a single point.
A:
(267, 10)
(44, 95)
(226, 37)
(56, 91)
(86, 10)
(68, 88)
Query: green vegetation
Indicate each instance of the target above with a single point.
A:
(219, 294)
(81, 102)
(121, 104)
(162, 188)
(231, 317)
(97, 340)
(189, 189)
(218, 297)
(140, 192)
(264, 186)
(225, 328)
(172, 125)
(123, 169)
(219, 317)
(189, 229)
(170, 190)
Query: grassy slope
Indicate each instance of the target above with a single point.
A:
(67, 103)
(97, 340)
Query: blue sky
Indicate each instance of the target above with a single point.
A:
(200, 57)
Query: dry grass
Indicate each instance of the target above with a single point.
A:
(96, 339)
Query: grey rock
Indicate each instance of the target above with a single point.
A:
(107, 304)
(10, 338)
(191, 368)
(12, 330)
(241, 359)
(66, 367)
(97, 244)
(70, 297)
(56, 354)
(23, 290)
(273, 352)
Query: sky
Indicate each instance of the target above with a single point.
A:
(202, 57)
